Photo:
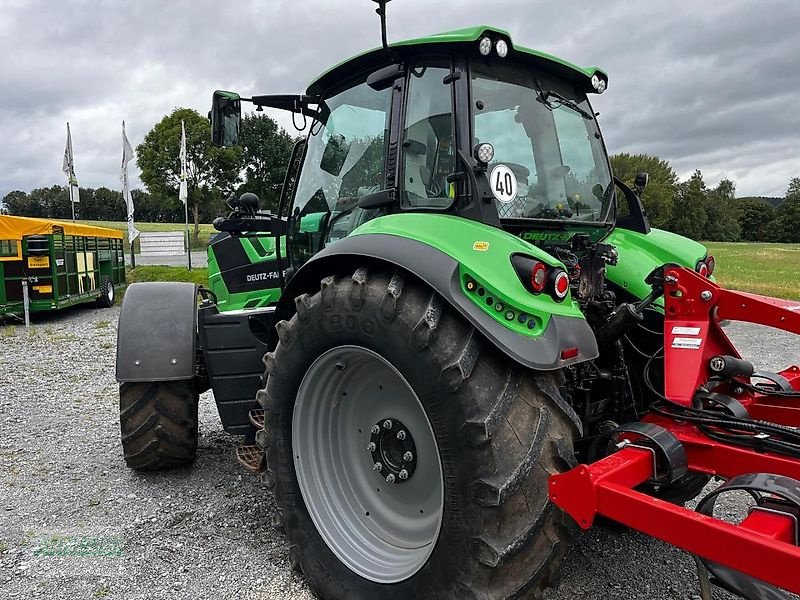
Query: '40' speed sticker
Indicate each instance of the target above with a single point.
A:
(503, 183)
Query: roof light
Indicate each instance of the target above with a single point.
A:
(485, 46)
(484, 153)
(598, 83)
(502, 48)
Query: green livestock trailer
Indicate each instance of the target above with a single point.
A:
(63, 263)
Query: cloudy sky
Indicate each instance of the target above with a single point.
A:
(708, 85)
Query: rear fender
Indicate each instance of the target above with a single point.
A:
(444, 252)
(157, 333)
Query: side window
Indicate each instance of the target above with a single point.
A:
(344, 160)
(428, 149)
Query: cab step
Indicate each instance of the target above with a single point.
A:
(251, 457)
(256, 417)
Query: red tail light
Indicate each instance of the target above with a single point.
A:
(538, 277)
(711, 263)
(702, 268)
(560, 284)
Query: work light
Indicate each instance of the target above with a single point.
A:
(485, 46)
(502, 48)
(484, 153)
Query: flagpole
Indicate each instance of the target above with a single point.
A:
(188, 239)
(183, 193)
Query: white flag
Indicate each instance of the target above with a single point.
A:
(183, 194)
(127, 156)
(69, 170)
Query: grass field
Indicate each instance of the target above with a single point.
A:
(158, 273)
(206, 230)
(769, 269)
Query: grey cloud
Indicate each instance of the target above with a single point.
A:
(705, 85)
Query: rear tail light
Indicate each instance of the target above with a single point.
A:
(560, 284)
(702, 268)
(711, 263)
(537, 277)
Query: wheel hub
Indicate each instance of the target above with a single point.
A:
(394, 454)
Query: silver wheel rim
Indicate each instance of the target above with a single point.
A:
(384, 532)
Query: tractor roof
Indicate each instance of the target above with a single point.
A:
(377, 57)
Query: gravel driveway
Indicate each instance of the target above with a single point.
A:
(76, 523)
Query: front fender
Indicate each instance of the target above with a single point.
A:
(157, 332)
(443, 252)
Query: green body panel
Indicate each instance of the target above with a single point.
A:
(463, 36)
(257, 298)
(640, 253)
(484, 254)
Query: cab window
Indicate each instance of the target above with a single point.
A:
(428, 152)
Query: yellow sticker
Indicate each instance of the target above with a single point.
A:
(38, 262)
(43, 289)
(480, 246)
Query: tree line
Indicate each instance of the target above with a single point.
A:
(692, 209)
(258, 164)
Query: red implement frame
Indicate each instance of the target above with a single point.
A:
(764, 544)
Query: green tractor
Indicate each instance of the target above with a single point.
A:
(454, 299)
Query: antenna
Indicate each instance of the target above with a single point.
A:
(381, 10)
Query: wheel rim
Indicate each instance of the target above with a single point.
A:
(382, 528)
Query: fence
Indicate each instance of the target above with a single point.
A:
(162, 243)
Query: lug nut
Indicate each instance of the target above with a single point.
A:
(408, 457)
(705, 295)
(387, 424)
(377, 467)
(390, 478)
(401, 435)
(371, 447)
(403, 474)
(376, 429)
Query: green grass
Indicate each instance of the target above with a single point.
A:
(768, 269)
(206, 231)
(160, 273)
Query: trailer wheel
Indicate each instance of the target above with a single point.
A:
(159, 424)
(107, 293)
(409, 457)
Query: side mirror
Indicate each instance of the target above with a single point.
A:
(640, 181)
(225, 116)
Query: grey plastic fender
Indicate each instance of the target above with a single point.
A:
(440, 271)
(157, 332)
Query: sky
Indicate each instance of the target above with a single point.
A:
(708, 85)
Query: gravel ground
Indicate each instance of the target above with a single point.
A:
(76, 523)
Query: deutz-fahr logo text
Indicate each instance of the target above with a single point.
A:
(270, 276)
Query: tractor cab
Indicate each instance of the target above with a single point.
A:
(462, 123)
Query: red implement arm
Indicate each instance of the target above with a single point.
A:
(765, 544)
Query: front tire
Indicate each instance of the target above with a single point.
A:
(489, 432)
(158, 422)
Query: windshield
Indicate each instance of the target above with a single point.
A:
(544, 133)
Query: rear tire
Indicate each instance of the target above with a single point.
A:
(500, 431)
(158, 421)
(107, 293)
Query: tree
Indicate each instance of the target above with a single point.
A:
(658, 198)
(211, 170)
(786, 228)
(689, 215)
(266, 149)
(755, 216)
(721, 215)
